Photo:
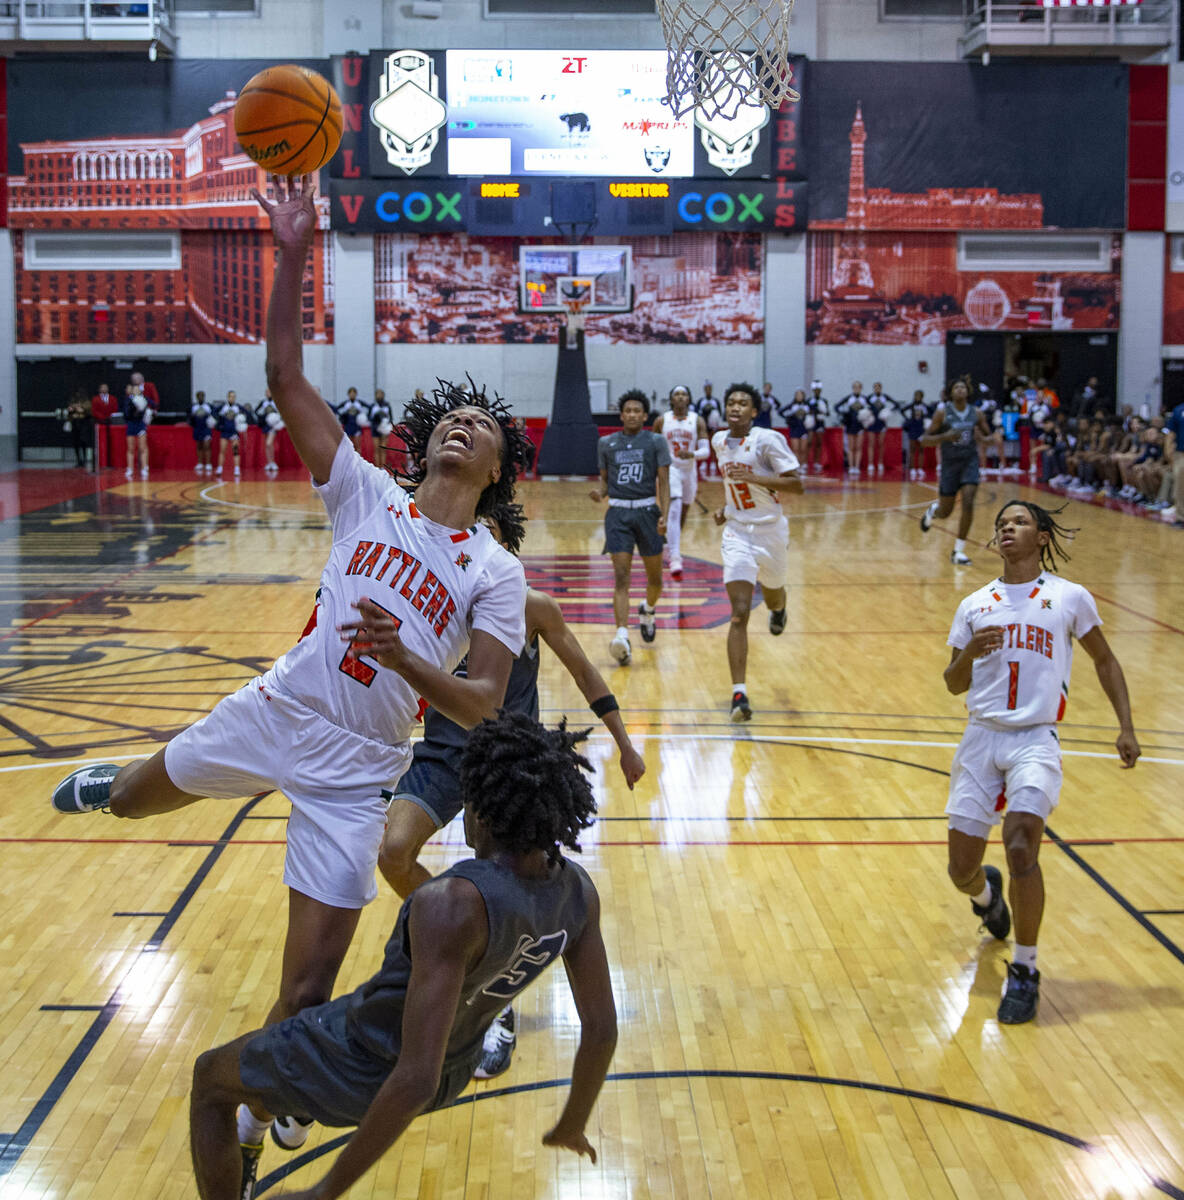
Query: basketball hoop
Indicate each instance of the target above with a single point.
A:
(726, 55)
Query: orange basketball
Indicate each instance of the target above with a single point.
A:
(288, 119)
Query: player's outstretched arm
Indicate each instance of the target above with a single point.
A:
(1113, 683)
(592, 990)
(467, 701)
(314, 429)
(449, 930)
(663, 497)
(544, 615)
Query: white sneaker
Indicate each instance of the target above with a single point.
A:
(879, 468)
(290, 1134)
(143, 474)
(218, 471)
(497, 1049)
(620, 649)
(1167, 514)
(128, 473)
(928, 515)
(676, 567)
(959, 559)
(237, 472)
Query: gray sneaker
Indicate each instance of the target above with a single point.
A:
(85, 790)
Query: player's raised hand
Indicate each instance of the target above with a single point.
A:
(293, 213)
(1128, 748)
(985, 641)
(375, 635)
(575, 1142)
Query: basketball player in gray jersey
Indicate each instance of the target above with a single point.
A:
(955, 427)
(635, 477)
(428, 796)
(406, 1041)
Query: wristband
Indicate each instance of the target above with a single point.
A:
(605, 705)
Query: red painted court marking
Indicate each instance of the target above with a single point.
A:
(30, 489)
(1135, 613)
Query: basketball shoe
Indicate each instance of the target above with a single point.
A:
(1021, 995)
(741, 709)
(994, 915)
(620, 649)
(251, 1155)
(85, 790)
(959, 559)
(288, 1133)
(928, 515)
(498, 1048)
(646, 620)
(777, 620)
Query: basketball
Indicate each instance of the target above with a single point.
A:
(288, 119)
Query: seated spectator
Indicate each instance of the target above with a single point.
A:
(1148, 470)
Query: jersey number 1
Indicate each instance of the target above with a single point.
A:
(355, 668)
(741, 496)
(1013, 683)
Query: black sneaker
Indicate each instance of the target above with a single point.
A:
(777, 621)
(85, 790)
(741, 709)
(928, 515)
(250, 1166)
(994, 915)
(646, 618)
(498, 1047)
(1021, 995)
(290, 1134)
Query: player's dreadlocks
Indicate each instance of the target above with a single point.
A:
(748, 390)
(528, 783)
(1046, 522)
(424, 413)
(634, 394)
(511, 525)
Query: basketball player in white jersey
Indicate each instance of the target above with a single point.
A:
(330, 723)
(756, 465)
(1013, 650)
(687, 434)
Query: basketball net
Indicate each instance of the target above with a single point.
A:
(573, 322)
(726, 54)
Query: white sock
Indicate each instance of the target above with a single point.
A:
(646, 608)
(250, 1128)
(1024, 956)
(739, 687)
(622, 631)
(674, 528)
(960, 545)
(984, 897)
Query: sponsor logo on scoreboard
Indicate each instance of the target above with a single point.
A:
(409, 113)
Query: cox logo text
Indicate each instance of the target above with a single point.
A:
(721, 208)
(417, 207)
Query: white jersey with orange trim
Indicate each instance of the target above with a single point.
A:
(1027, 681)
(439, 584)
(682, 436)
(763, 451)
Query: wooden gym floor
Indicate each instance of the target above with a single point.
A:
(806, 1006)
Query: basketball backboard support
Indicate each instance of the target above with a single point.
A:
(549, 277)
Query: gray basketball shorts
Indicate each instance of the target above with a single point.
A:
(309, 1066)
(629, 528)
(956, 473)
(434, 786)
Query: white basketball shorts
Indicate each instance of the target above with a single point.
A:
(258, 739)
(684, 481)
(994, 764)
(756, 553)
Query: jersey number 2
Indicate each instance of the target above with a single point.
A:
(1013, 683)
(355, 668)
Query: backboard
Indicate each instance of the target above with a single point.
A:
(547, 275)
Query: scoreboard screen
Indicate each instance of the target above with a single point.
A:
(563, 113)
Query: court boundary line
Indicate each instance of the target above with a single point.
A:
(888, 1089)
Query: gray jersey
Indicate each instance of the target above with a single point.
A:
(963, 424)
(632, 463)
(444, 741)
(531, 923)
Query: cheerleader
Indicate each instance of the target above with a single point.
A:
(351, 416)
(795, 414)
(268, 418)
(382, 425)
(232, 424)
(856, 418)
(882, 407)
(138, 410)
(916, 416)
(202, 422)
(815, 422)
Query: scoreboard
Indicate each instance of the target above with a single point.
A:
(511, 142)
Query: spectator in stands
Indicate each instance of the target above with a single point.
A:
(1087, 399)
(1048, 394)
(78, 422)
(1147, 471)
(103, 407)
(1044, 440)
(1173, 489)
